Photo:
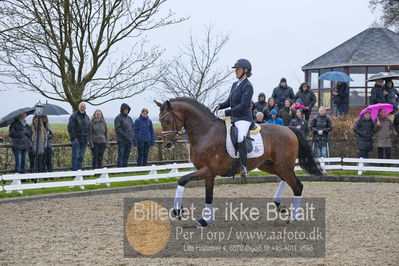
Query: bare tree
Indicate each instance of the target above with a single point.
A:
(75, 50)
(195, 73)
(390, 10)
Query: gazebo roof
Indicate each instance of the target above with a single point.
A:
(374, 46)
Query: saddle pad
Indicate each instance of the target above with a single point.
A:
(257, 144)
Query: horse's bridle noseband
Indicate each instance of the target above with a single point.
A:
(175, 131)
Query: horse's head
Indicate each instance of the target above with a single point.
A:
(171, 123)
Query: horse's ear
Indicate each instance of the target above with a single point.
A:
(158, 103)
(168, 105)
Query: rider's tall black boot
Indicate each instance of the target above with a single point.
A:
(242, 149)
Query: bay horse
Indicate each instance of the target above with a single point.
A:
(207, 135)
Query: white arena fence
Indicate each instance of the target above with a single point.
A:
(102, 176)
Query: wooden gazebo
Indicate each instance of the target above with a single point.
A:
(374, 50)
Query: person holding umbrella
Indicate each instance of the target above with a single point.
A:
(383, 134)
(341, 98)
(377, 95)
(364, 130)
(390, 94)
(20, 133)
(39, 142)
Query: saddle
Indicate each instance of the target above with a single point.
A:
(253, 129)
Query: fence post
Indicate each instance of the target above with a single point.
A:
(153, 172)
(323, 165)
(361, 166)
(174, 169)
(16, 182)
(77, 179)
(104, 177)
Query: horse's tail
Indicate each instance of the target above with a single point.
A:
(306, 156)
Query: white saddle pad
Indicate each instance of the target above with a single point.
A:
(257, 144)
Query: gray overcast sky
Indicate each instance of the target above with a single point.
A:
(278, 37)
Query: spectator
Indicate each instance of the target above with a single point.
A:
(282, 92)
(390, 94)
(261, 103)
(383, 132)
(341, 98)
(320, 126)
(143, 137)
(20, 133)
(396, 122)
(259, 118)
(124, 134)
(48, 150)
(99, 138)
(307, 99)
(364, 130)
(253, 110)
(271, 104)
(38, 144)
(79, 133)
(187, 140)
(299, 122)
(274, 119)
(286, 113)
(377, 95)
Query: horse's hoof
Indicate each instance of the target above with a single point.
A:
(202, 223)
(243, 179)
(177, 213)
(282, 209)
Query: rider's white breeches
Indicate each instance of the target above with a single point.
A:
(242, 128)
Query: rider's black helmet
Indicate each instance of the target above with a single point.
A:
(244, 63)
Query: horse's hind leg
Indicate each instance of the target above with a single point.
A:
(297, 187)
(268, 167)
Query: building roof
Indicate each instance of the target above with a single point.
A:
(374, 46)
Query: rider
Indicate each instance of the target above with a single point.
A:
(240, 103)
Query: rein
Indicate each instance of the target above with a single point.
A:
(175, 131)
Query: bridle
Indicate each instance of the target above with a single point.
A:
(175, 131)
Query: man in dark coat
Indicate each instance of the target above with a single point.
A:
(377, 95)
(79, 134)
(20, 133)
(307, 97)
(261, 103)
(320, 126)
(341, 98)
(143, 137)
(364, 130)
(124, 129)
(282, 92)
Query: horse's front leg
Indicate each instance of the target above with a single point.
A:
(207, 213)
(178, 202)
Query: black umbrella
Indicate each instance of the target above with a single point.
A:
(52, 109)
(7, 120)
(384, 75)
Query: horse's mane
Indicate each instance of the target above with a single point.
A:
(193, 102)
